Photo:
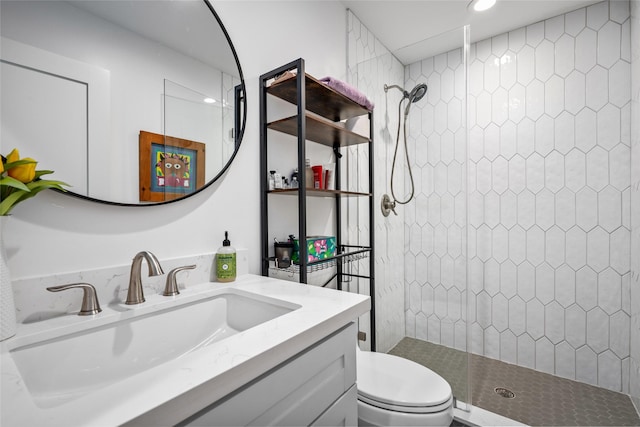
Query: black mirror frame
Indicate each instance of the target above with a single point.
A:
(240, 109)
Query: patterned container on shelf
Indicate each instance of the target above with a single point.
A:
(318, 248)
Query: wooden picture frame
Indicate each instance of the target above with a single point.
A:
(170, 167)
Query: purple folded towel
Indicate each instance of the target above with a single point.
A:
(348, 91)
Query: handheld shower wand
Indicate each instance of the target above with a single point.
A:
(415, 95)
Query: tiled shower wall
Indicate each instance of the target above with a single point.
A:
(549, 198)
(435, 224)
(371, 66)
(635, 203)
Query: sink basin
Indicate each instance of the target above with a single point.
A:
(61, 369)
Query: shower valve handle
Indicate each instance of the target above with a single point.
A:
(387, 205)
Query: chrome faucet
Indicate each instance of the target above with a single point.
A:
(135, 295)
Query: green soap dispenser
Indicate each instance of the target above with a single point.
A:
(226, 261)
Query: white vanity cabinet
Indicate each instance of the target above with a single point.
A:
(295, 368)
(315, 387)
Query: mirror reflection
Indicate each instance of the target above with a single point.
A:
(85, 84)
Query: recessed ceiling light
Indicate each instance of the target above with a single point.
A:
(209, 100)
(481, 5)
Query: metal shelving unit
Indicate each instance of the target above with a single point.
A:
(319, 108)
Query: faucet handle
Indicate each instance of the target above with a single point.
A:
(90, 304)
(171, 287)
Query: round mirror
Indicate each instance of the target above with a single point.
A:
(130, 102)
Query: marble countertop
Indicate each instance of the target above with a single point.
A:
(172, 391)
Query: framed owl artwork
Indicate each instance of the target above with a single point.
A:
(170, 167)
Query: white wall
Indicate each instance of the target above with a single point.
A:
(55, 233)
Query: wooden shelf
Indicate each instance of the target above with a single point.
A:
(320, 98)
(319, 130)
(312, 192)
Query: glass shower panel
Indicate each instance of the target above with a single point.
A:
(421, 253)
(436, 222)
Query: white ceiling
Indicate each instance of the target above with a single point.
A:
(416, 29)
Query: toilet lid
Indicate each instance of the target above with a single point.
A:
(392, 380)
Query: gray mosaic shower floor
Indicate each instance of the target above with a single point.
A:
(540, 399)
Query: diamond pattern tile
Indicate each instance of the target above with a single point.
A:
(535, 34)
(597, 330)
(575, 92)
(565, 203)
(586, 130)
(544, 136)
(565, 280)
(545, 60)
(608, 126)
(585, 56)
(517, 39)
(574, 22)
(565, 55)
(619, 81)
(576, 248)
(597, 15)
(608, 36)
(597, 95)
(575, 326)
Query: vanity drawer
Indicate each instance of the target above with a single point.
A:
(296, 393)
(344, 412)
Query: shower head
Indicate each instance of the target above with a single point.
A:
(416, 94)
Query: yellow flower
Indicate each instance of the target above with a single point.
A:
(13, 156)
(19, 181)
(24, 173)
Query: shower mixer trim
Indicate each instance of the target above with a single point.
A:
(387, 206)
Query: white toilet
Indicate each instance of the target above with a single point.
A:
(393, 391)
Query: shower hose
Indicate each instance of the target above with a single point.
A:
(406, 152)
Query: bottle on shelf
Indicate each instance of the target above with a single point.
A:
(278, 180)
(308, 174)
(318, 183)
(294, 179)
(272, 180)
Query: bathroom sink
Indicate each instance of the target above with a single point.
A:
(61, 369)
